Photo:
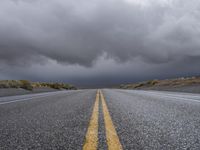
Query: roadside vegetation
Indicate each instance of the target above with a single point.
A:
(178, 82)
(28, 85)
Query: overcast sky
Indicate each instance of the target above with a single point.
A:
(99, 42)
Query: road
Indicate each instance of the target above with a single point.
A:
(100, 119)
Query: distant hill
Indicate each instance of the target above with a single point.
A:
(28, 85)
(188, 84)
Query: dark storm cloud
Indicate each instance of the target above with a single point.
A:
(78, 31)
(105, 73)
(144, 38)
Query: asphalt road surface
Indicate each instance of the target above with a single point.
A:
(100, 119)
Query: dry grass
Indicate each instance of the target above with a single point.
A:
(179, 82)
(28, 85)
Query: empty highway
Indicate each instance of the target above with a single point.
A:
(100, 119)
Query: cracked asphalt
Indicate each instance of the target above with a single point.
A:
(59, 120)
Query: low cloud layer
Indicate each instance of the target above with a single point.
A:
(77, 34)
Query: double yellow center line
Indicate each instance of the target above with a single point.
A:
(91, 139)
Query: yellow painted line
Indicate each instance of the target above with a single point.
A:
(91, 139)
(111, 134)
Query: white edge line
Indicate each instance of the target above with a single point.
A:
(156, 93)
(169, 96)
(25, 99)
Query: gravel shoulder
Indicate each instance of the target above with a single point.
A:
(188, 89)
(19, 91)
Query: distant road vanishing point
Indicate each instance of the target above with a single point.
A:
(110, 119)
